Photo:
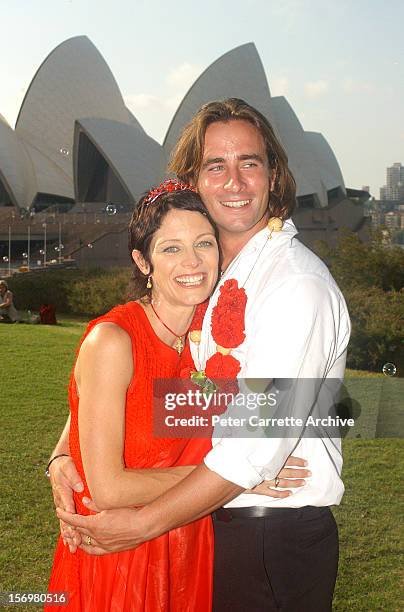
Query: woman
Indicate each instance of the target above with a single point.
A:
(8, 312)
(174, 245)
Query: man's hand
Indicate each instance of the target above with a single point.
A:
(64, 480)
(288, 478)
(110, 530)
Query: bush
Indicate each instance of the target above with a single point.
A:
(377, 328)
(371, 276)
(70, 291)
(95, 296)
(354, 263)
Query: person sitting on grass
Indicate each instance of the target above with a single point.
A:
(8, 312)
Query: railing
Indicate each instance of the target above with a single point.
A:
(60, 234)
(14, 217)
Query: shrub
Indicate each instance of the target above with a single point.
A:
(58, 287)
(355, 263)
(377, 328)
(95, 296)
(371, 276)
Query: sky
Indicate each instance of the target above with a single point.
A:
(339, 63)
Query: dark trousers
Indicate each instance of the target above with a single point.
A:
(287, 561)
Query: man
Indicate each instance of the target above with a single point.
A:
(270, 554)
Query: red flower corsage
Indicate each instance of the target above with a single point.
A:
(227, 325)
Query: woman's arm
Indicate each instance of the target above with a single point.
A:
(103, 373)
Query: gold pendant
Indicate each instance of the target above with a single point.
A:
(179, 345)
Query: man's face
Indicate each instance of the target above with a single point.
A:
(234, 181)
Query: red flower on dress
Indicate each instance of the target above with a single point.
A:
(228, 315)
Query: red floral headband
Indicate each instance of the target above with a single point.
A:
(167, 186)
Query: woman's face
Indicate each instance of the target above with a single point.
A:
(2, 289)
(185, 258)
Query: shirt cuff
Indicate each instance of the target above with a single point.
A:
(233, 467)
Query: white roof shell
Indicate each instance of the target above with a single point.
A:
(74, 81)
(50, 178)
(326, 161)
(16, 170)
(237, 74)
(240, 74)
(301, 160)
(137, 160)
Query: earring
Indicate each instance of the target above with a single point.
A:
(149, 283)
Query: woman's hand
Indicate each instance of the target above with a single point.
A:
(64, 480)
(288, 478)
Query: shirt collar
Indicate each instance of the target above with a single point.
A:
(258, 243)
(288, 231)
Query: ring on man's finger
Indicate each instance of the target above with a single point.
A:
(277, 481)
(89, 541)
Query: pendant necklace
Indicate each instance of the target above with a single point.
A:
(179, 345)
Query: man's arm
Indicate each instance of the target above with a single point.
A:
(114, 530)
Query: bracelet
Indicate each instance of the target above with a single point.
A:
(51, 461)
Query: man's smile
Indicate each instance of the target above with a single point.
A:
(235, 203)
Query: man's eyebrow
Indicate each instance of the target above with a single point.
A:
(212, 160)
(254, 156)
(244, 157)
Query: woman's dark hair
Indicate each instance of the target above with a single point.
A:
(147, 218)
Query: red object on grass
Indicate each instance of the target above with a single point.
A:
(47, 314)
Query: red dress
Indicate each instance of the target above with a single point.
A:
(172, 573)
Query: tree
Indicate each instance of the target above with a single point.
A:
(354, 263)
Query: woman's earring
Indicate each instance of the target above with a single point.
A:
(149, 283)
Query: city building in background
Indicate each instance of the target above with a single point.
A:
(387, 213)
(393, 190)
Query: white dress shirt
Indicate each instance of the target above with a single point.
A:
(297, 326)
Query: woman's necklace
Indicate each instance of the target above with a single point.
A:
(179, 345)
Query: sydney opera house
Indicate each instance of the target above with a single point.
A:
(78, 159)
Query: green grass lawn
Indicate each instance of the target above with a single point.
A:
(35, 365)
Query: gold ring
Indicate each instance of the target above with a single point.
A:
(89, 541)
(277, 481)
